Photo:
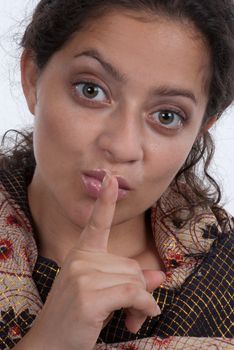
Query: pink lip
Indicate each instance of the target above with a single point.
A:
(93, 182)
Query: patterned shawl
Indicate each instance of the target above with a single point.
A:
(196, 299)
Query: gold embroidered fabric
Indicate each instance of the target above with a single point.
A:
(196, 299)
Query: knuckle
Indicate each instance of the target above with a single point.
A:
(81, 282)
(134, 279)
(73, 268)
(131, 290)
(94, 224)
(95, 227)
(134, 266)
(69, 270)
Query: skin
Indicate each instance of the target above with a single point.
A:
(102, 245)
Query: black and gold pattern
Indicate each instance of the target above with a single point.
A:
(197, 300)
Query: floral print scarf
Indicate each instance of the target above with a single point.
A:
(196, 299)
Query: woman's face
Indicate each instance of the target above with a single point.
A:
(125, 96)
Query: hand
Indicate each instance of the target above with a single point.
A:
(92, 284)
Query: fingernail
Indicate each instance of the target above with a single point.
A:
(157, 311)
(136, 330)
(106, 180)
(163, 275)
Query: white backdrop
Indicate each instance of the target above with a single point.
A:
(14, 114)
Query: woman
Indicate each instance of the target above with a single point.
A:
(110, 218)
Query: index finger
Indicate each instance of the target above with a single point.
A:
(96, 234)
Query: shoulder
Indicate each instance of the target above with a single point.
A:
(16, 234)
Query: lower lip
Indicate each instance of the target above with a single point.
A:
(93, 187)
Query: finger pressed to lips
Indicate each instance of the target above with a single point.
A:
(122, 278)
(96, 234)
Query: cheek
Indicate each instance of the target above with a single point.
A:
(59, 129)
(167, 157)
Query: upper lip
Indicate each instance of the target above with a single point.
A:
(100, 174)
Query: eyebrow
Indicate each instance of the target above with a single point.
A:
(174, 92)
(106, 65)
(164, 91)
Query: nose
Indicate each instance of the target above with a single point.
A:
(121, 140)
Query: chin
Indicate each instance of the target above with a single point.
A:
(80, 215)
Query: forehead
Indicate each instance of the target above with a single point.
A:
(149, 47)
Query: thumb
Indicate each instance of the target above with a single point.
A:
(153, 279)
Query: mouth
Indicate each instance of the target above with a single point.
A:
(93, 179)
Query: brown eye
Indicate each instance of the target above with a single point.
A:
(169, 119)
(166, 117)
(91, 91)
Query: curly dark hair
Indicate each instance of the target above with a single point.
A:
(55, 21)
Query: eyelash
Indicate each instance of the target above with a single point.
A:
(182, 119)
(90, 83)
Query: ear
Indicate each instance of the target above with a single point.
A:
(29, 78)
(209, 123)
